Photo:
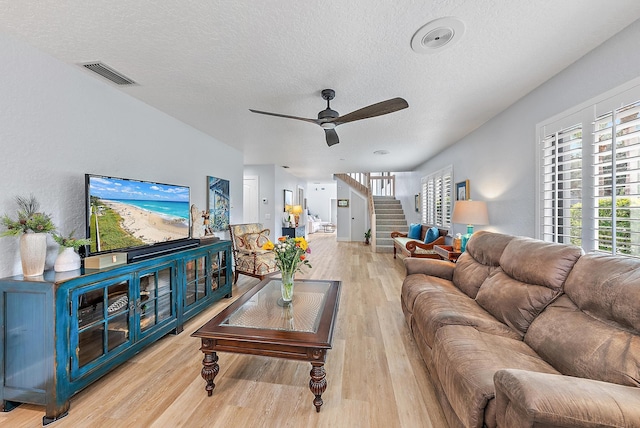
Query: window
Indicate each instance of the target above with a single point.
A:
(436, 198)
(616, 164)
(589, 175)
(561, 186)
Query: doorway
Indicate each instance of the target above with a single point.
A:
(250, 200)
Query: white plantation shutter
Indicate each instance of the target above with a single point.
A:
(436, 198)
(616, 163)
(589, 174)
(561, 186)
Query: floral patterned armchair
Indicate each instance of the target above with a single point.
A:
(250, 259)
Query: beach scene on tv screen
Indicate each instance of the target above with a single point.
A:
(129, 213)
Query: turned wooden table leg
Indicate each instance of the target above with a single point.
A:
(318, 383)
(210, 367)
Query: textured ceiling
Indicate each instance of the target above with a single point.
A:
(207, 62)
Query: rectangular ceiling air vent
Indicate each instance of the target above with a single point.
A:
(108, 73)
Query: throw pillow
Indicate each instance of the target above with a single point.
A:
(414, 231)
(431, 235)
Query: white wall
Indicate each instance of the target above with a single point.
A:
(499, 157)
(319, 196)
(407, 186)
(58, 123)
(273, 180)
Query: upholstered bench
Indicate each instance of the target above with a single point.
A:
(411, 247)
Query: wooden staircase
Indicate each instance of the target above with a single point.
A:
(386, 212)
(389, 217)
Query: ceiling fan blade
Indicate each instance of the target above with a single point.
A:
(332, 137)
(378, 109)
(286, 116)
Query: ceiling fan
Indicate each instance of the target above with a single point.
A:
(328, 119)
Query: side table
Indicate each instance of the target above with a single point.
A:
(446, 252)
(293, 232)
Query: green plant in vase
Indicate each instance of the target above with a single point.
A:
(70, 241)
(31, 226)
(30, 219)
(68, 259)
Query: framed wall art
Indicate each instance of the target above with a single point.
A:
(217, 204)
(343, 203)
(288, 199)
(463, 192)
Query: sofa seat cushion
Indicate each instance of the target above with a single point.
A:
(437, 307)
(466, 360)
(414, 285)
(579, 345)
(402, 241)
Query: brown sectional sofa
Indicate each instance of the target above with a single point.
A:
(524, 333)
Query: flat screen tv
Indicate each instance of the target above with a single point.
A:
(124, 214)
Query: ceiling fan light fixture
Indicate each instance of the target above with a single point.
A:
(437, 34)
(328, 125)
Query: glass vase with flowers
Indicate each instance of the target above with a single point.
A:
(291, 256)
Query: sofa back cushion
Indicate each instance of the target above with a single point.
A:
(425, 228)
(531, 275)
(237, 232)
(593, 330)
(482, 256)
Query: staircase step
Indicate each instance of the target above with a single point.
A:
(390, 216)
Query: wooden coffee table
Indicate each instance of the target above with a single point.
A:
(259, 324)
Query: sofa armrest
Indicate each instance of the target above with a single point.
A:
(412, 245)
(396, 234)
(432, 267)
(530, 399)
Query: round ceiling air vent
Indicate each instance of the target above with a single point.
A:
(436, 35)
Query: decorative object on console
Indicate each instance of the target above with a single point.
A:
(101, 261)
(470, 213)
(197, 223)
(218, 203)
(68, 259)
(31, 226)
(463, 192)
(296, 210)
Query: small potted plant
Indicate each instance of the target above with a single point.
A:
(68, 259)
(367, 237)
(32, 227)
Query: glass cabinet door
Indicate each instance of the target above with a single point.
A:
(155, 303)
(100, 320)
(196, 289)
(218, 270)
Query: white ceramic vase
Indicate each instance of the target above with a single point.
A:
(33, 253)
(67, 260)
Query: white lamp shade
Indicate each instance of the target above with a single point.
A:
(470, 212)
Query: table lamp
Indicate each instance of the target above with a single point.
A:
(296, 210)
(469, 213)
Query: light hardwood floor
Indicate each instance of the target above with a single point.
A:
(375, 375)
